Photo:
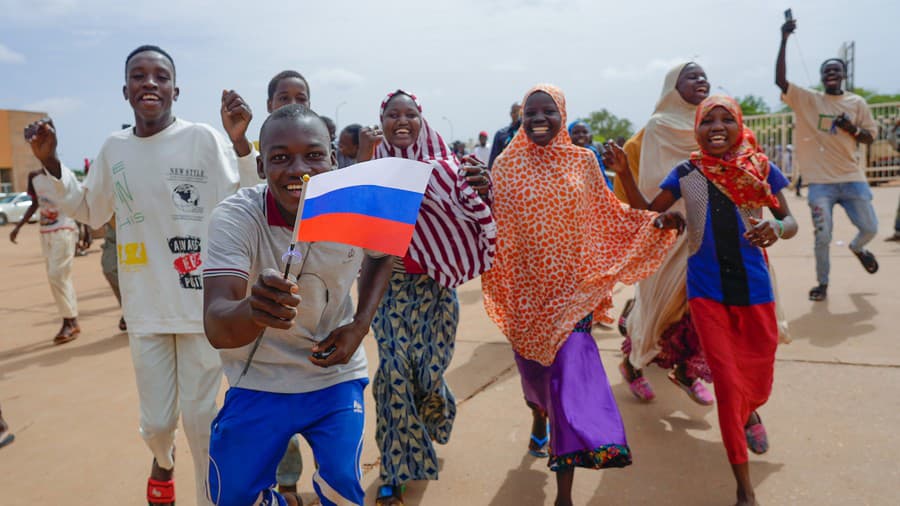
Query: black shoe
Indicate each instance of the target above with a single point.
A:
(818, 293)
(867, 259)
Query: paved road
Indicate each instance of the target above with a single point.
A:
(832, 417)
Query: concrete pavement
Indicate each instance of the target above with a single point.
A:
(831, 418)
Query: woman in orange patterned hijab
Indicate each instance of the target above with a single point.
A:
(563, 242)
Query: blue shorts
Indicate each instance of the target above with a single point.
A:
(253, 428)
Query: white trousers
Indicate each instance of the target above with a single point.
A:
(177, 374)
(58, 247)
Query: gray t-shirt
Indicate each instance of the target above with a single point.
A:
(247, 234)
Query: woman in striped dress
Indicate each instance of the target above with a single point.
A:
(415, 326)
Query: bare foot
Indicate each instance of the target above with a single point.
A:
(746, 501)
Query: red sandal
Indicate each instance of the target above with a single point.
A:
(160, 492)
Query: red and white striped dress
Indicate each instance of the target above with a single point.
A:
(455, 234)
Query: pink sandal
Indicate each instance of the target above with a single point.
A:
(697, 391)
(639, 386)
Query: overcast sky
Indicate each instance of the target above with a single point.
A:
(466, 60)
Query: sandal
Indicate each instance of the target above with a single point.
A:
(542, 443)
(623, 319)
(122, 325)
(160, 492)
(757, 439)
(639, 386)
(697, 391)
(6, 437)
(867, 259)
(389, 495)
(818, 293)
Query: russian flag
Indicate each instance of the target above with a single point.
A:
(372, 205)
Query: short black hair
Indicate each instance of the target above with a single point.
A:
(286, 74)
(290, 112)
(833, 60)
(329, 123)
(353, 129)
(155, 49)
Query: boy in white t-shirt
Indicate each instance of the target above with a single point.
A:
(290, 347)
(162, 180)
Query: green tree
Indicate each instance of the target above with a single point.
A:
(753, 105)
(606, 125)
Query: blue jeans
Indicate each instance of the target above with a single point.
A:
(856, 199)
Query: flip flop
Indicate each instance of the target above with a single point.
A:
(6, 438)
(160, 492)
(543, 445)
(389, 495)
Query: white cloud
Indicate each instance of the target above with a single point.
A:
(56, 106)
(7, 55)
(336, 77)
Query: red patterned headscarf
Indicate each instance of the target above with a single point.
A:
(742, 173)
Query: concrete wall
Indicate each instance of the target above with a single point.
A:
(15, 153)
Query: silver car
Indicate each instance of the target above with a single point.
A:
(13, 207)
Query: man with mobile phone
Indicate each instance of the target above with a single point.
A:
(829, 126)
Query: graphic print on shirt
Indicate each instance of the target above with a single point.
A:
(48, 211)
(188, 262)
(186, 186)
(132, 256)
(125, 213)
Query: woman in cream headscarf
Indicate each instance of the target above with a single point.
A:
(658, 326)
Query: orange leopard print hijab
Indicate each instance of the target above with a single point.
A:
(563, 241)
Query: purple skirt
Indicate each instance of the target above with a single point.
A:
(586, 428)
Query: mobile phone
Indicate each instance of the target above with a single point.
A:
(788, 15)
(322, 355)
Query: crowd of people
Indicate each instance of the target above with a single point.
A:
(204, 220)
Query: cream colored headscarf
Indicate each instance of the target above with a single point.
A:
(661, 299)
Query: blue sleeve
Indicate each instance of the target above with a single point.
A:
(776, 179)
(602, 169)
(671, 183)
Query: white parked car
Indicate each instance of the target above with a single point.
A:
(13, 207)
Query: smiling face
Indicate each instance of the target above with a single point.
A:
(150, 89)
(541, 118)
(291, 148)
(581, 135)
(718, 132)
(401, 121)
(832, 76)
(290, 90)
(692, 84)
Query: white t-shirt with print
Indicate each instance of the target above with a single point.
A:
(162, 190)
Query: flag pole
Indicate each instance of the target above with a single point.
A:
(297, 220)
(288, 256)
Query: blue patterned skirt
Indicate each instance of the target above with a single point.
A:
(415, 327)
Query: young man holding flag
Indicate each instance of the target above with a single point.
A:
(289, 341)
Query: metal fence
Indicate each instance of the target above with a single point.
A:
(880, 161)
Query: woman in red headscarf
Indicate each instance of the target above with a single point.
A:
(725, 186)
